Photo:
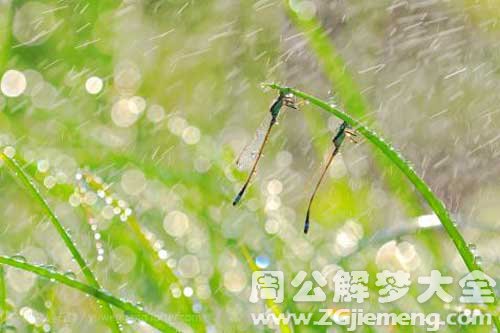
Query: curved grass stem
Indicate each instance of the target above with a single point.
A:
(19, 174)
(350, 95)
(105, 297)
(395, 157)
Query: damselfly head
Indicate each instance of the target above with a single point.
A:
(290, 100)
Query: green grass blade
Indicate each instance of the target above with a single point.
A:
(168, 179)
(105, 297)
(152, 171)
(333, 65)
(395, 157)
(348, 92)
(20, 175)
(3, 299)
(184, 304)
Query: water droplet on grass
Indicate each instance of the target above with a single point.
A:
(18, 257)
(478, 260)
(70, 274)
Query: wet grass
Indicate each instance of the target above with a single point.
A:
(104, 297)
(159, 267)
(190, 85)
(405, 167)
(19, 174)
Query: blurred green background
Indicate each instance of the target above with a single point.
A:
(149, 103)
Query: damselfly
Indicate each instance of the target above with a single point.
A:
(254, 151)
(343, 131)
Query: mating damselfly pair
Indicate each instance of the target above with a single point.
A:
(253, 151)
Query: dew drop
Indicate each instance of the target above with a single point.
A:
(19, 258)
(262, 261)
(478, 260)
(129, 320)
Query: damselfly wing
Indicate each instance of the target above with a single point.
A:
(261, 138)
(251, 149)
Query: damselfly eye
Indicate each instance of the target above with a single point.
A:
(290, 101)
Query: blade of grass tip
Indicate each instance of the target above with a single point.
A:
(105, 297)
(270, 304)
(3, 300)
(348, 92)
(20, 175)
(395, 157)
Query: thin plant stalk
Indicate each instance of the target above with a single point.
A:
(3, 300)
(20, 175)
(398, 160)
(105, 297)
(152, 171)
(184, 304)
